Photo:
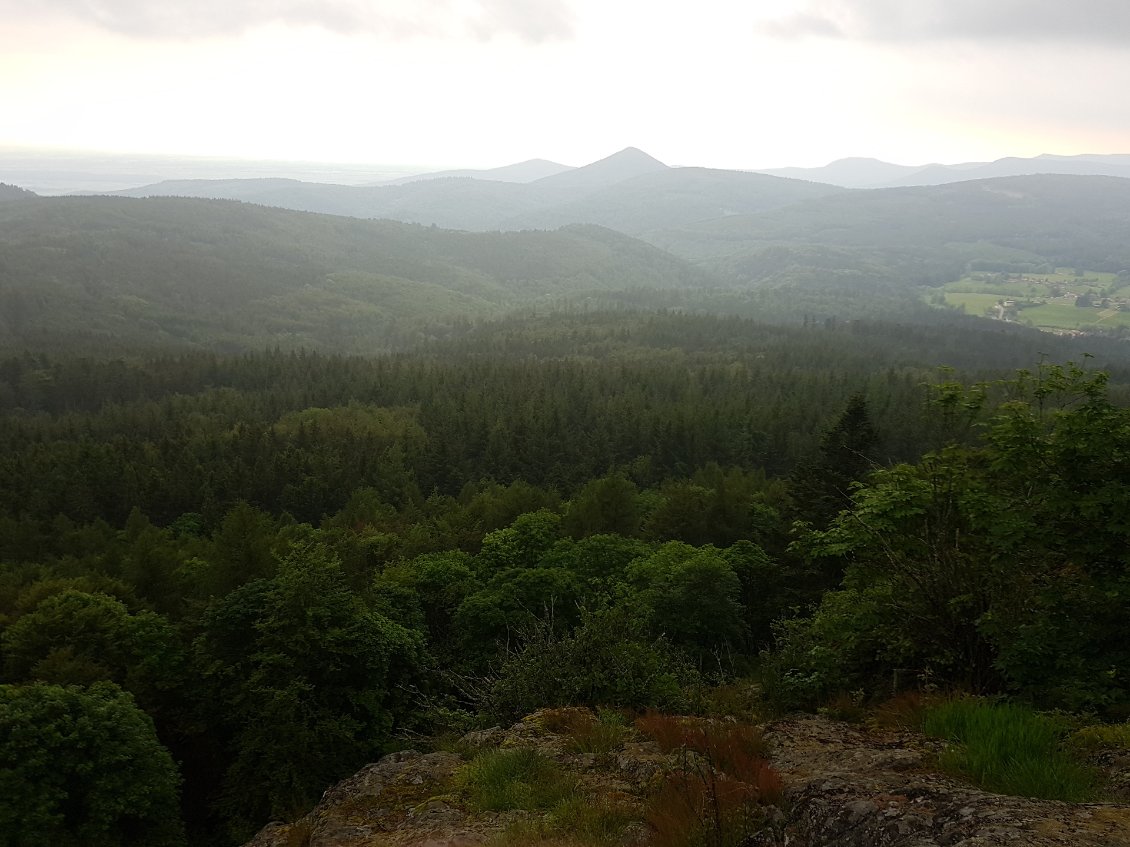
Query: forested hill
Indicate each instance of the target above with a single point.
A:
(13, 192)
(759, 228)
(929, 234)
(114, 271)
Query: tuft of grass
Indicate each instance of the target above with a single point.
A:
(579, 821)
(1090, 739)
(903, 711)
(518, 778)
(1009, 749)
(592, 822)
(598, 734)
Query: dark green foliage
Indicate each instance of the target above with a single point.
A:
(289, 557)
(765, 592)
(82, 767)
(609, 505)
(306, 680)
(691, 596)
(820, 487)
(599, 560)
(431, 588)
(997, 568)
(77, 638)
(609, 660)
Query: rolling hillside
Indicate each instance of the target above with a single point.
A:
(927, 234)
(229, 275)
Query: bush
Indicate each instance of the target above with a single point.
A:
(1009, 749)
(82, 766)
(849, 643)
(606, 661)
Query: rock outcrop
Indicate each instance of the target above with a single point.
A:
(844, 787)
(850, 788)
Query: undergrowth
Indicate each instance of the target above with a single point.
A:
(518, 778)
(715, 797)
(578, 821)
(1009, 749)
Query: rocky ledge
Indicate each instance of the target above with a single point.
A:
(844, 787)
(852, 788)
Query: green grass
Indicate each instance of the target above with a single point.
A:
(518, 778)
(1005, 288)
(1101, 737)
(1057, 316)
(577, 822)
(975, 304)
(1008, 749)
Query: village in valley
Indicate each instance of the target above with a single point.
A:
(1064, 301)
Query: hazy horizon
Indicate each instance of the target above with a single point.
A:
(60, 171)
(441, 84)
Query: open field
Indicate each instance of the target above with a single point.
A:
(975, 304)
(1046, 301)
(1056, 316)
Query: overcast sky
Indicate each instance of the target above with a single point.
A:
(721, 83)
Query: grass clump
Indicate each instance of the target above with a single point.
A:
(1091, 739)
(579, 821)
(598, 734)
(1009, 749)
(518, 778)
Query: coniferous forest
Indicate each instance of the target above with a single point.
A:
(232, 573)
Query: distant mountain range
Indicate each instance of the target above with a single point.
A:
(629, 191)
(528, 171)
(854, 172)
(873, 173)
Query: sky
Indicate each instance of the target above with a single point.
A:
(482, 83)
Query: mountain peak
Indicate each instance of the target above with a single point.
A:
(625, 164)
(634, 154)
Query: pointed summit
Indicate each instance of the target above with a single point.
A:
(629, 162)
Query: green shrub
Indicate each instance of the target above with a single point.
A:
(83, 766)
(606, 661)
(518, 778)
(1009, 749)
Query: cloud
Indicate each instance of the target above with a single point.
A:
(1095, 21)
(530, 20)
